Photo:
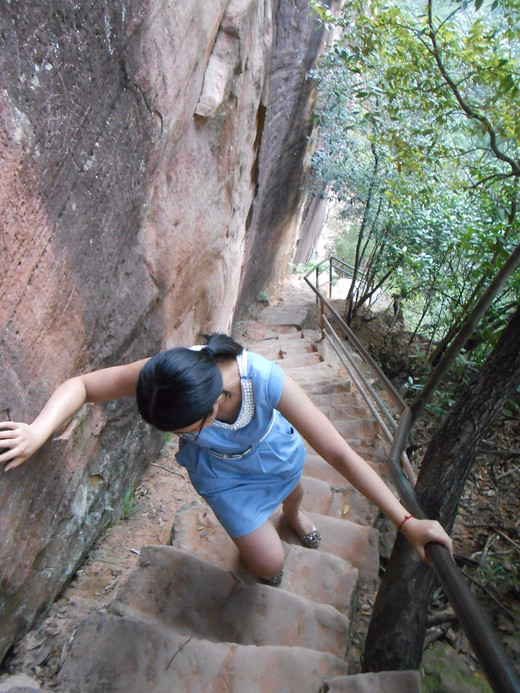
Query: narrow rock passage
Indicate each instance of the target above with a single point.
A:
(191, 619)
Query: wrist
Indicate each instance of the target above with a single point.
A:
(41, 432)
(405, 519)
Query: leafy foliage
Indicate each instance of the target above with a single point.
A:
(418, 106)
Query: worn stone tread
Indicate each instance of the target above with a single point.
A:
(202, 600)
(279, 351)
(320, 386)
(317, 468)
(381, 682)
(317, 576)
(354, 543)
(340, 399)
(291, 316)
(128, 655)
(348, 504)
(369, 448)
(318, 496)
(342, 411)
(307, 367)
(358, 428)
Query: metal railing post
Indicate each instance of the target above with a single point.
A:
(499, 670)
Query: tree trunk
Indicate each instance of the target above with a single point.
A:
(349, 305)
(396, 633)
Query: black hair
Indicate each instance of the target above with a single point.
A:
(178, 387)
(222, 347)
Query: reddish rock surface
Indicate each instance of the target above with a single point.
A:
(129, 145)
(279, 213)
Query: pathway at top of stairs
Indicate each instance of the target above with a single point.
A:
(191, 619)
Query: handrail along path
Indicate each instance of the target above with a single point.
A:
(495, 663)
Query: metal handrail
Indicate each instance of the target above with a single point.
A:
(499, 670)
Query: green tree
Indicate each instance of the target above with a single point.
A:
(397, 629)
(439, 86)
(421, 142)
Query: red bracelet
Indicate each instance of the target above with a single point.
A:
(406, 517)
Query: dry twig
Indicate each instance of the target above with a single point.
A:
(172, 471)
(489, 594)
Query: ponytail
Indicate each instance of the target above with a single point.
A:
(178, 387)
(220, 347)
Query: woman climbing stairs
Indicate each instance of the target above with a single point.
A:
(191, 619)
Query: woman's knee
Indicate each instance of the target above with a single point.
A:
(262, 551)
(265, 566)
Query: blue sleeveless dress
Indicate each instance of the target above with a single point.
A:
(245, 471)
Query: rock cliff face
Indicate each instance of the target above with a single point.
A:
(134, 138)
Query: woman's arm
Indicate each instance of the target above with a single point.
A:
(321, 435)
(22, 440)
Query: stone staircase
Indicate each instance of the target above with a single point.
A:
(191, 619)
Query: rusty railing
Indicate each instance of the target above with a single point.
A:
(371, 383)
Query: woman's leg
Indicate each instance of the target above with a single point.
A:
(262, 551)
(292, 513)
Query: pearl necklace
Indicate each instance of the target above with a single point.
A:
(247, 410)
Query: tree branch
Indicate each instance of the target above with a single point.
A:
(468, 110)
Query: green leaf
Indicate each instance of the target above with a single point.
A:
(507, 83)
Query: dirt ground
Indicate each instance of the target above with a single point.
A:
(147, 519)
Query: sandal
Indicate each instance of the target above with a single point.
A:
(273, 581)
(311, 540)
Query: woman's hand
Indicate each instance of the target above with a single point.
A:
(22, 440)
(18, 441)
(421, 532)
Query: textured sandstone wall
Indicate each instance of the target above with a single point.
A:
(281, 215)
(130, 134)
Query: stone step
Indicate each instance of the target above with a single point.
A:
(199, 599)
(255, 333)
(316, 467)
(344, 411)
(320, 385)
(370, 449)
(381, 682)
(281, 350)
(354, 543)
(196, 529)
(314, 365)
(289, 337)
(338, 399)
(314, 575)
(358, 428)
(342, 503)
(349, 504)
(288, 341)
(293, 315)
(307, 361)
(128, 655)
(318, 496)
(309, 368)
